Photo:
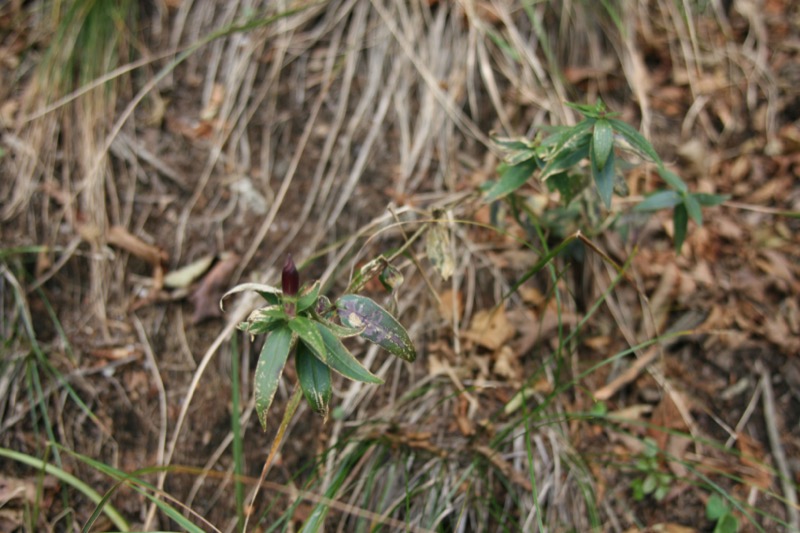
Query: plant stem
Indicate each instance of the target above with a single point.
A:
(291, 407)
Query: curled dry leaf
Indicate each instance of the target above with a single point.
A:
(209, 292)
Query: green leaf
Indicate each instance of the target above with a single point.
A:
(710, 200)
(512, 144)
(380, 326)
(342, 361)
(269, 369)
(727, 524)
(604, 180)
(659, 200)
(716, 507)
(342, 332)
(315, 379)
(308, 296)
(693, 208)
(661, 492)
(565, 159)
(511, 178)
(264, 320)
(568, 138)
(568, 185)
(649, 484)
(602, 143)
(307, 331)
(672, 179)
(680, 220)
(635, 139)
(519, 156)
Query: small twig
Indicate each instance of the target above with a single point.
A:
(770, 420)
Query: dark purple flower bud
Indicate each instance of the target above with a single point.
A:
(290, 277)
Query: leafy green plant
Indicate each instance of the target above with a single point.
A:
(718, 510)
(652, 481)
(558, 159)
(303, 321)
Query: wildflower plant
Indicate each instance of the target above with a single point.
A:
(302, 321)
(556, 159)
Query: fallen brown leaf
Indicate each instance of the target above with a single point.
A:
(207, 295)
(490, 328)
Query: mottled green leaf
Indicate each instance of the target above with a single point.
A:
(307, 331)
(659, 200)
(269, 369)
(391, 278)
(315, 379)
(512, 177)
(342, 361)
(380, 326)
(680, 220)
(264, 320)
(602, 143)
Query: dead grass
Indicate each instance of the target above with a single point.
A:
(331, 131)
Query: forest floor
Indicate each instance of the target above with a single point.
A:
(141, 138)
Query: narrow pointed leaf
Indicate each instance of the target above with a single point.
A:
(315, 379)
(515, 144)
(602, 143)
(343, 332)
(519, 156)
(342, 361)
(380, 326)
(635, 139)
(308, 296)
(604, 179)
(659, 200)
(694, 209)
(710, 200)
(269, 369)
(512, 177)
(307, 331)
(264, 319)
(673, 180)
(680, 220)
(566, 159)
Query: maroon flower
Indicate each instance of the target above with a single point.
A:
(290, 277)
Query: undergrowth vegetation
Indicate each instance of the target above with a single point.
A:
(552, 247)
